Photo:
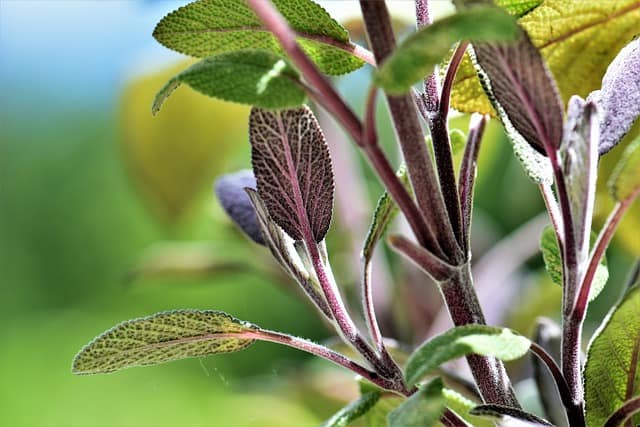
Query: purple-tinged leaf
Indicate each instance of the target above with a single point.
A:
(619, 97)
(507, 415)
(230, 190)
(521, 84)
(292, 166)
(579, 153)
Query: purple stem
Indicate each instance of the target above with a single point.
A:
(629, 408)
(430, 97)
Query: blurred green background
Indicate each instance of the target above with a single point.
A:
(93, 188)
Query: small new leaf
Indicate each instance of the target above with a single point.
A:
(612, 371)
(516, 76)
(462, 341)
(423, 409)
(354, 410)
(417, 56)
(210, 27)
(625, 179)
(619, 97)
(230, 190)
(161, 338)
(252, 77)
(292, 165)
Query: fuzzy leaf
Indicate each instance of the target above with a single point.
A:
(423, 409)
(252, 77)
(292, 165)
(612, 371)
(386, 210)
(521, 84)
(417, 56)
(625, 179)
(507, 415)
(230, 190)
(163, 337)
(462, 341)
(579, 154)
(462, 406)
(619, 97)
(577, 39)
(553, 262)
(518, 7)
(377, 416)
(354, 410)
(210, 27)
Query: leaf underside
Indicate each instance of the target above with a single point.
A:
(504, 413)
(292, 165)
(424, 408)
(230, 191)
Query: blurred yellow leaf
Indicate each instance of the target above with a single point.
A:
(174, 156)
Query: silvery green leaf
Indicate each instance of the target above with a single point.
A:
(230, 190)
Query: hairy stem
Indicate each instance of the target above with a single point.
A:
(629, 408)
(430, 97)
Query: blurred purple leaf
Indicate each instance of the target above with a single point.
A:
(234, 200)
(619, 97)
(293, 169)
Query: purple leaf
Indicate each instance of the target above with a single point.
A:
(521, 84)
(234, 200)
(293, 170)
(619, 97)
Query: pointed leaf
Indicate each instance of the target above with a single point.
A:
(577, 39)
(354, 410)
(509, 416)
(462, 341)
(462, 406)
(625, 179)
(417, 56)
(252, 77)
(518, 7)
(209, 27)
(230, 190)
(612, 371)
(423, 409)
(292, 165)
(515, 74)
(619, 97)
(163, 337)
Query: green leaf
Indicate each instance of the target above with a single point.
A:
(518, 7)
(625, 179)
(506, 413)
(423, 409)
(253, 77)
(163, 337)
(462, 341)
(377, 416)
(386, 210)
(417, 56)
(354, 410)
(577, 39)
(536, 166)
(612, 371)
(462, 406)
(458, 141)
(553, 262)
(210, 27)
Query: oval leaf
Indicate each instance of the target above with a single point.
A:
(292, 165)
(251, 77)
(163, 337)
(417, 56)
(462, 341)
(612, 371)
(230, 191)
(354, 410)
(625, 179)
(209, 27)
(423, 409)
(619, 97)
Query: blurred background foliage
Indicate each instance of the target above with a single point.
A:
(106, 214)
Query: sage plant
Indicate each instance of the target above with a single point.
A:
(277, 55)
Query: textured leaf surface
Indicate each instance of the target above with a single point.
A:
(250, 77)
(292, 165)
(417, 56)
(619, 97)
(230, 190)
(577, 39)
(209, 27)
(518, 7)
(162, 337)
(612, 371)
(377, 416)
(553, 262)
(625, 180)
(521, 84)
(462, 341)
(354, 410)
(462, 406)
(507, 414)
(423, 409)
